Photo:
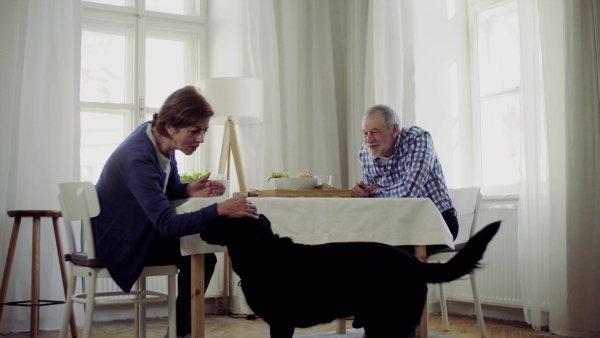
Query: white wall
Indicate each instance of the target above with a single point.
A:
(442, 82)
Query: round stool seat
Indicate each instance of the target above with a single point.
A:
(34, 213)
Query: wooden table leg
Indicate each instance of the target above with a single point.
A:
(422, 330)
(197, 297)
(63, 271)
(35, 279)
(340, 327)
(9, 260)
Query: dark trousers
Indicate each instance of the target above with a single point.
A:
(167, 252)
(452, 223)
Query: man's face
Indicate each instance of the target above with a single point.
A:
(378, 138)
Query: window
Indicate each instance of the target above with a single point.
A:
(496, 93)
(134, 53)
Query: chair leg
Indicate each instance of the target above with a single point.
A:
(89, 304)
(63, 271)
(445, 325)
(171, 303)
(142, 309)
(35, 279)
(68, 308)
(9, 261)
(136, 312)
(477, 304)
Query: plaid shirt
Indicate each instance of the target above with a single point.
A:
(412, 171)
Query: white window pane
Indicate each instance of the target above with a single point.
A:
(180, 7)
(106, 70)
(500, 138)
(122, 3)
(498, 49)
(101, 133)
(165, 66)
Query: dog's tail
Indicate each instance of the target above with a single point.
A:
(465, 261)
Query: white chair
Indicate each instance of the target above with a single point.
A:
(79, 202)
(466, 202)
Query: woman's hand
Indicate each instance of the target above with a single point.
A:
(202, 187)
(237, 207)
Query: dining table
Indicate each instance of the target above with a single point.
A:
(317, 220)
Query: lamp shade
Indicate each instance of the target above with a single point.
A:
(240, 98)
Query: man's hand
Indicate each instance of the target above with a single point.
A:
(362, 190)
(202, 187)
(237, 207)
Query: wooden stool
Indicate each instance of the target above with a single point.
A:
(35, 301)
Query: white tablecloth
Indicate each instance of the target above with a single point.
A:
(395, 221)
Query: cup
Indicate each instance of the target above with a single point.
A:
(217, 177)
(323, 179)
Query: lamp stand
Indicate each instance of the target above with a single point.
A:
(230, 145)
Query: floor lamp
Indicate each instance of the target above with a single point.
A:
(233, 99)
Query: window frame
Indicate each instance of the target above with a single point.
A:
(142, 22)
(474, 8)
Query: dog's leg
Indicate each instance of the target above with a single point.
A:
(389, 325)
(281, 331)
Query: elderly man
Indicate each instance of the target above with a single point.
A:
(401, 162)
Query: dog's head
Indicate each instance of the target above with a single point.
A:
(228, 231)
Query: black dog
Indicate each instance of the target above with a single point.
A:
(294, 285)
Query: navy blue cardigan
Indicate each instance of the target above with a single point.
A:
(134, 210)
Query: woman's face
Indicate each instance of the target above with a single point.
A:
(188, 139)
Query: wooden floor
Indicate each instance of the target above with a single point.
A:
(228, 327)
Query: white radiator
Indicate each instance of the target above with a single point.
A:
(159, 283)
(498, 279)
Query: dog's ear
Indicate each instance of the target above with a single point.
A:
(230, 230)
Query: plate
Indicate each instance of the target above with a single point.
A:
(294, 183)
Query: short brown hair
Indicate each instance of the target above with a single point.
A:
(183, 108)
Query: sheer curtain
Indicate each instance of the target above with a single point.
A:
(559, 215)
(39, 137)
(243, 43)
(582, 125)
(322, 65)
(534, 198)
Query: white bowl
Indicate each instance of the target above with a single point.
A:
(295, 183)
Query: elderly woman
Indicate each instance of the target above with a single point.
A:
(137, 226)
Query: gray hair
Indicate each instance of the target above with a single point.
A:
(389, 115)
